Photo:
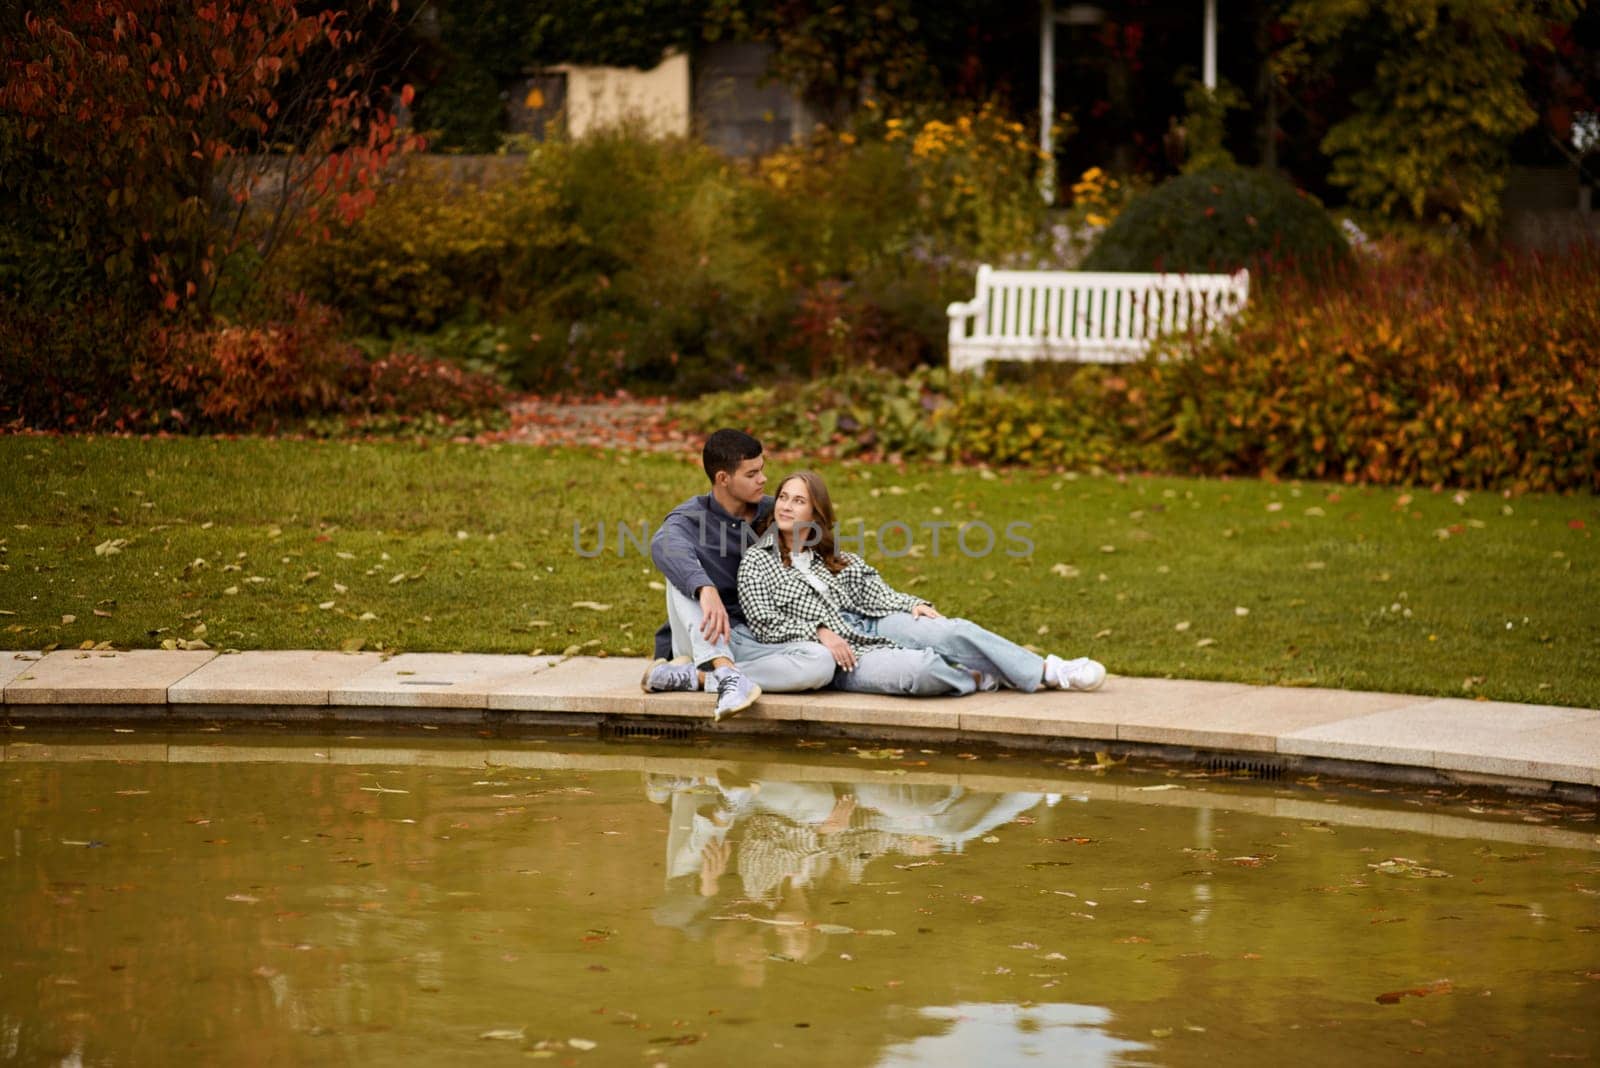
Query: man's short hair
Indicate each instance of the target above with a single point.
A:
(726, 449)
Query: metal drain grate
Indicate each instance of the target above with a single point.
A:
(1260, 767)
(612, 730)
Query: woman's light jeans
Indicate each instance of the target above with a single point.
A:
(785, 667)
(962, 641)
(905, 672)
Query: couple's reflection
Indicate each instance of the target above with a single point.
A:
(784, 841)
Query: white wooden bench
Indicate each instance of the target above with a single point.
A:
(1085, 317)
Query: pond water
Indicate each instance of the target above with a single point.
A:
(236, 898)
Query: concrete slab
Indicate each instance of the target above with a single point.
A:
(135, 677)
(1100, 714)
(1484, 737)
(1046, 714)
(15, 663)
(592, 684)
(876, 710)
(610, 686)
(1249, 717)
(271, 677)
(436, 680)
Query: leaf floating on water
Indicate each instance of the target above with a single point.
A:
(505, 1034)
(383, 790)
(1103, 759)
(1438, 986)
(243, 899)
(833, 928)
(1407, 868)
(581, 1043)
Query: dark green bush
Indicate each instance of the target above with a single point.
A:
(1219, 221)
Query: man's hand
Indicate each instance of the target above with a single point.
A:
(924, 611)
(714, 627)
(713, 862)
(839, 819)
(843, 655)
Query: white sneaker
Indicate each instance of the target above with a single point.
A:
(1079, 674)
(664, 675)
(735, 692)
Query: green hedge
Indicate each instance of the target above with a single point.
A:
(1221, 220)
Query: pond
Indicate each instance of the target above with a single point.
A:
(413, 898)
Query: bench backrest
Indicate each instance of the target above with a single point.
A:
(1032, 306)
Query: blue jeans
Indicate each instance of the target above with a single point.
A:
(905, 672)
(786, 667)
(968, 644)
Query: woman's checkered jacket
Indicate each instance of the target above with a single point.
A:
(781, 606)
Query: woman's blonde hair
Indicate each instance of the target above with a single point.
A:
(822, 519)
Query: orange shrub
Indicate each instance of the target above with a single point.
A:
(1475, 374)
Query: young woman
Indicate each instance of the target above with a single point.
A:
(795, 585)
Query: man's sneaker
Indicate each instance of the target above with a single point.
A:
(987, 683)
(664, 675)
(1080, 674)
(735, 692)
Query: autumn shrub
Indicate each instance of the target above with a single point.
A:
(78, 365)
(660, 278)
(260, 375)
(1086, 418)
(427, 251)
(1475, 373)
(1219, 221)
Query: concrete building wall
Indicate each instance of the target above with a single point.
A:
(600, 97)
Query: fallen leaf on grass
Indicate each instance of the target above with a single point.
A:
(593, 606)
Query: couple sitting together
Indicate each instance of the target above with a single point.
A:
(759, 598)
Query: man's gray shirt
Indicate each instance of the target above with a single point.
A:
(701, 544)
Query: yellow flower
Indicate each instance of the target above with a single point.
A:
(847, 139)
(1096, 220)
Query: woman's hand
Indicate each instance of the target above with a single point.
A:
(843, 655)
(924, 611)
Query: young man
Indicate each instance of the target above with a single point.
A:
(698, 548)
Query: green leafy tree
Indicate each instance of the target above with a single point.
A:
(837, 54)
(1430, 131)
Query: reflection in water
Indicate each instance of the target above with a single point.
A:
(1012, 1036)
(787, 840)
(292, 903)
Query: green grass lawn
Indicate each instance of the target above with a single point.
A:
(259, 544)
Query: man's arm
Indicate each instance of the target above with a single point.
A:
(675, 552)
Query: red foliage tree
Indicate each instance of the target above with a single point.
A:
(137, 132)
